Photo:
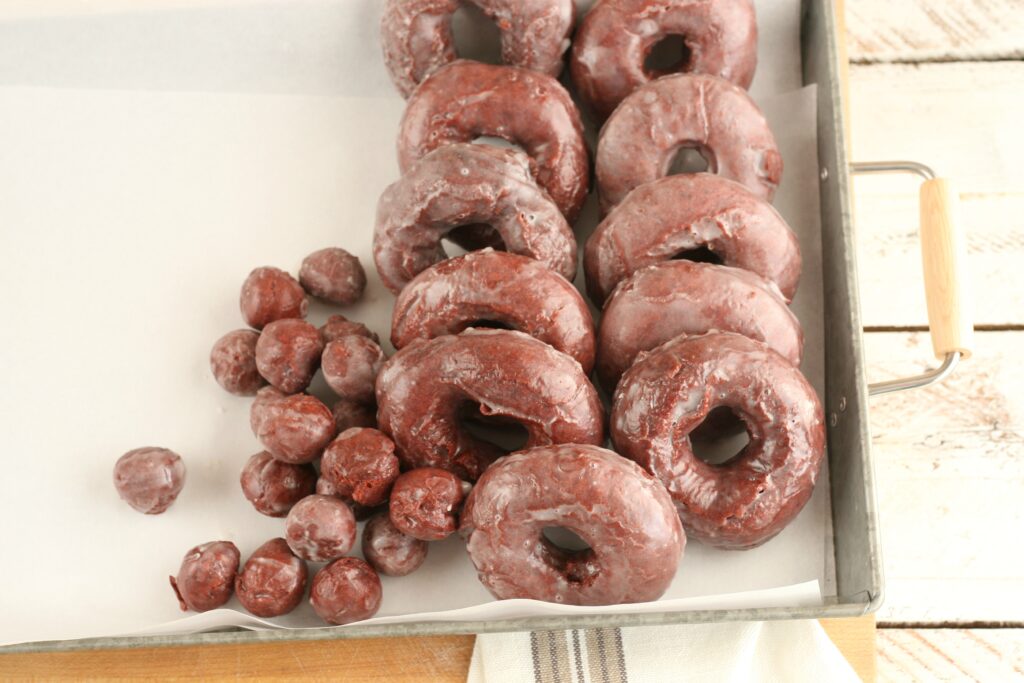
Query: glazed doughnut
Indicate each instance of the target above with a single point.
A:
(423, 388)
(660, 302)
(464, 184)
(466, 100)
(416, 35)
(663, 219)
(495, 287)
(666, 394)
(623, 514)
(616, 36)
(640, 140)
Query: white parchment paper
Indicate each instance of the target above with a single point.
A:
(149, 158)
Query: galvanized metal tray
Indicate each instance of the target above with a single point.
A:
(858, 564)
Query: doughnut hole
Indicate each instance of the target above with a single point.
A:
(691, 157)
(505, 434)
(669, 55)
(566, 539)
(700, 255)
(470, 237)
(569, 554)
(475, 35)
(721, 437)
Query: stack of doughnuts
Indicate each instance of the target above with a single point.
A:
(500, 333)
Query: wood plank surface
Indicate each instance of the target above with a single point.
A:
(950, 655)
(934, 30)
(961, 119)
(439, 658)
(949, 463)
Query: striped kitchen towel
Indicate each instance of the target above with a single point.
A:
(790, 651)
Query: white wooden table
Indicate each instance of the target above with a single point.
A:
(941, 81)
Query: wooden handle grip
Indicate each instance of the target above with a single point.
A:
(946, 281)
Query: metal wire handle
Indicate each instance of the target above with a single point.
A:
(952, 357)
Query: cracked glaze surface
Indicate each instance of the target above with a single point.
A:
(233, 363)
(288, 354)
(149, 479)
(663, 301)
(623, 514)
(295, 428)
(466, 100)
(388, 550)
(272, 580)
(641, 138)
(668, 393)
(658, 221)
(272, 486)
(361, 465)
(495, 286)
(270, 294)
(464, 184)
(423, 387)
(425, 503)
(346, 590)
(350, 366)
(206, 578)
(320, 528)
(615, 37)
(416, 35)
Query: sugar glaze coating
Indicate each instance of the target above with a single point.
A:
(388, 550)
(425, 503)
(149, 479)
(272, 580)
(273, 486)
(346, 590)
(206, 578)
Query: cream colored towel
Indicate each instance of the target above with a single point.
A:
(785, 651)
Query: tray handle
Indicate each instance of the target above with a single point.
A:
(944, 257)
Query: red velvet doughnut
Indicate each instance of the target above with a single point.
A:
(466, 100)
(673, 215)
(495, 287)
(465, 184)
(416, 35)
(423, 388)
(622, 513)
(663, 301)
(640, 140)
(616, 36)
(668, 393)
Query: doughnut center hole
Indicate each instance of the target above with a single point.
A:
(470, 237)
(503, 433)
(700, 255)
(489, 325)
(691, 158)
(667, 56)
(720, 438)
(565, 539)
(475, 35)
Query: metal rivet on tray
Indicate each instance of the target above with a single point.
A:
(842, 403)
(833, 420)
(824, 174)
